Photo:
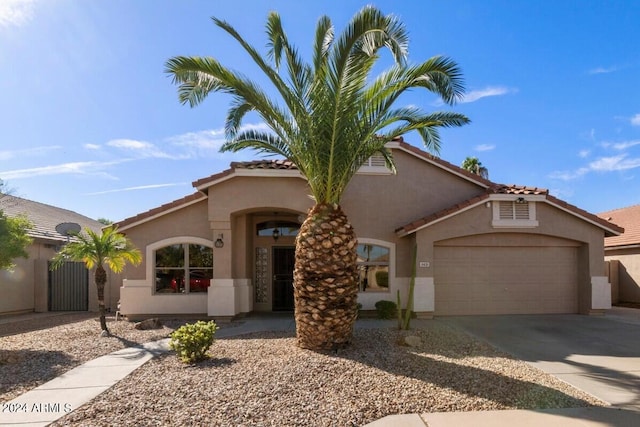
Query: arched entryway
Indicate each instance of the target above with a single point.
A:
(274, 236)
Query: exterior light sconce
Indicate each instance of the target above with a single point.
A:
(521, 200)
(276, 234)
(219, 243)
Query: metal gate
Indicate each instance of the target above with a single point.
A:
(69, 287)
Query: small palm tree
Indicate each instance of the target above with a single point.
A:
(96, 250)
(331, 116)
(473, 165)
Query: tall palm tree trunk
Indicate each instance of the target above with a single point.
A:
(101, 280)
(325, 279)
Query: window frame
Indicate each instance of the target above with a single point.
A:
(390, 266)
(516, 219)
(182, 240)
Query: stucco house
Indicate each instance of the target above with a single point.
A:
(482, 247)
(30, 286)
(622, 254)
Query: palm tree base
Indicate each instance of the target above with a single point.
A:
(325, 280)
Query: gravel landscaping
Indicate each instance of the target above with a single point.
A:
(263, 379)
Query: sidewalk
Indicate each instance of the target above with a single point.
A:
(51, 401)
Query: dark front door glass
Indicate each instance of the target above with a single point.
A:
(283, 261)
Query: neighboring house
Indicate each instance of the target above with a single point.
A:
(30, 286)
(482, 248)
(622, 254)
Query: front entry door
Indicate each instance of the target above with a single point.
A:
(283, 262)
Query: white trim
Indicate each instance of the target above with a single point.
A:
(498, 222)
(265, 173)
(392, 260)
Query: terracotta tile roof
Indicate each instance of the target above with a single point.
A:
(629, 218)
(253, 165)
(265, 164)
(161, 209)
(45, 217)
(517, 189)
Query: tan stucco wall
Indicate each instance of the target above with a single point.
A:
(555, 227)
(628, 273)
(189, 221)
(17, 287)
(379, 204)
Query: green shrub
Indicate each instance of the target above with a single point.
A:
(192, 341)
(386, 309)
(382, 279)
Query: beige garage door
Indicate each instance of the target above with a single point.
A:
(505, 280)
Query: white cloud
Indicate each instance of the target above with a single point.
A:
(15, 12)
(624, 145)
(207, 143)
(603, 70)
(615, 163)
(475, 95)
(584, 153)
(141, 148)
(140, 187)
(82, 168)
(92, 146)
(568, 175)
(28, 152)
(485, 147)
(635, 120)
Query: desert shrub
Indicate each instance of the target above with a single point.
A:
(382, 279)
(192, 341)
(386, 309)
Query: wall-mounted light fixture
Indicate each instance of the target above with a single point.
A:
(276, 234)
(219, 242)
(521, 200)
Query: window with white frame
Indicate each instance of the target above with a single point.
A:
(514, 213)
(183, 268)
(373, 268)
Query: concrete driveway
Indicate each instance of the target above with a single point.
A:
(597, 354)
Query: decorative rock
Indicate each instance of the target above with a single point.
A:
(153, 323)
(412, 341)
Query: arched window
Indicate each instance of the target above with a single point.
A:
(278, 228)
(183, 268)
(373, 267)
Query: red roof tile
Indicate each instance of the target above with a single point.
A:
(629, 218)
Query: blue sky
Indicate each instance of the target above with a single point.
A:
(91, 123)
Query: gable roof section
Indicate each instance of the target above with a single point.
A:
(541, 194)
(629, 218)
(267, 168)
(44, 217)
(161, 210)
(399, 143)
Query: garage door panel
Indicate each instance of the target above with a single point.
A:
(505, 280)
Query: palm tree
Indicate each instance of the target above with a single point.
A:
(96, 250)
(331, 117)
(473, 165)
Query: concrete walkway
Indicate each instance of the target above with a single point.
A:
(51, 401)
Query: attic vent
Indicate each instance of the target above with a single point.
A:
(518, 213)
(374, 165)
(514, 210)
